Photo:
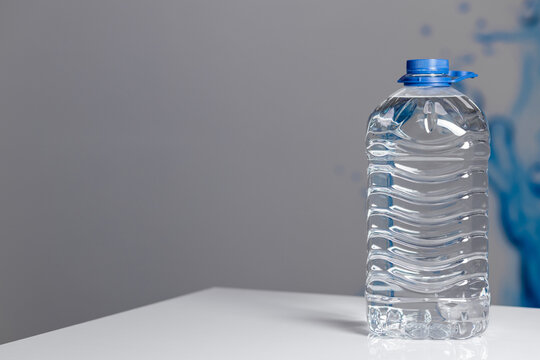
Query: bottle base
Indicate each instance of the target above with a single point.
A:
(427, 318)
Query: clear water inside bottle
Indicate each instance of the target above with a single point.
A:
(427, 203)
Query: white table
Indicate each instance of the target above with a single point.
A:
(222, 323)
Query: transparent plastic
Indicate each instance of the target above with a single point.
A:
(427, 206)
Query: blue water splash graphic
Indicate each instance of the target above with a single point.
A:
(425, 30)
(481, 23)
(515, 161)
(464, 7)
(514, 168)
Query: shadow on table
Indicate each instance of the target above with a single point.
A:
(338, 316)
(354, 326)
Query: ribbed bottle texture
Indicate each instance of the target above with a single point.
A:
(427, 206)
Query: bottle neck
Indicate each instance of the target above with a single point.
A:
(427, 91)
(426, 80)
(439, 79)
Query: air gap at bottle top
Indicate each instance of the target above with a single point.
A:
(427, 209)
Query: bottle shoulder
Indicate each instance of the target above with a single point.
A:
(414, 104)
(430, 122)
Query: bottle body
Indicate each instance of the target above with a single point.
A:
(427, 206)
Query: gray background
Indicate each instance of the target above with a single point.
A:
(153, 148)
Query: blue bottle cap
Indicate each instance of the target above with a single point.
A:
(432, 72)
(428, 66)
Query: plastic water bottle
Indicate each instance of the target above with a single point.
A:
(427, 209)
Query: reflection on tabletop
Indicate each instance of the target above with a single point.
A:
(402, 349)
